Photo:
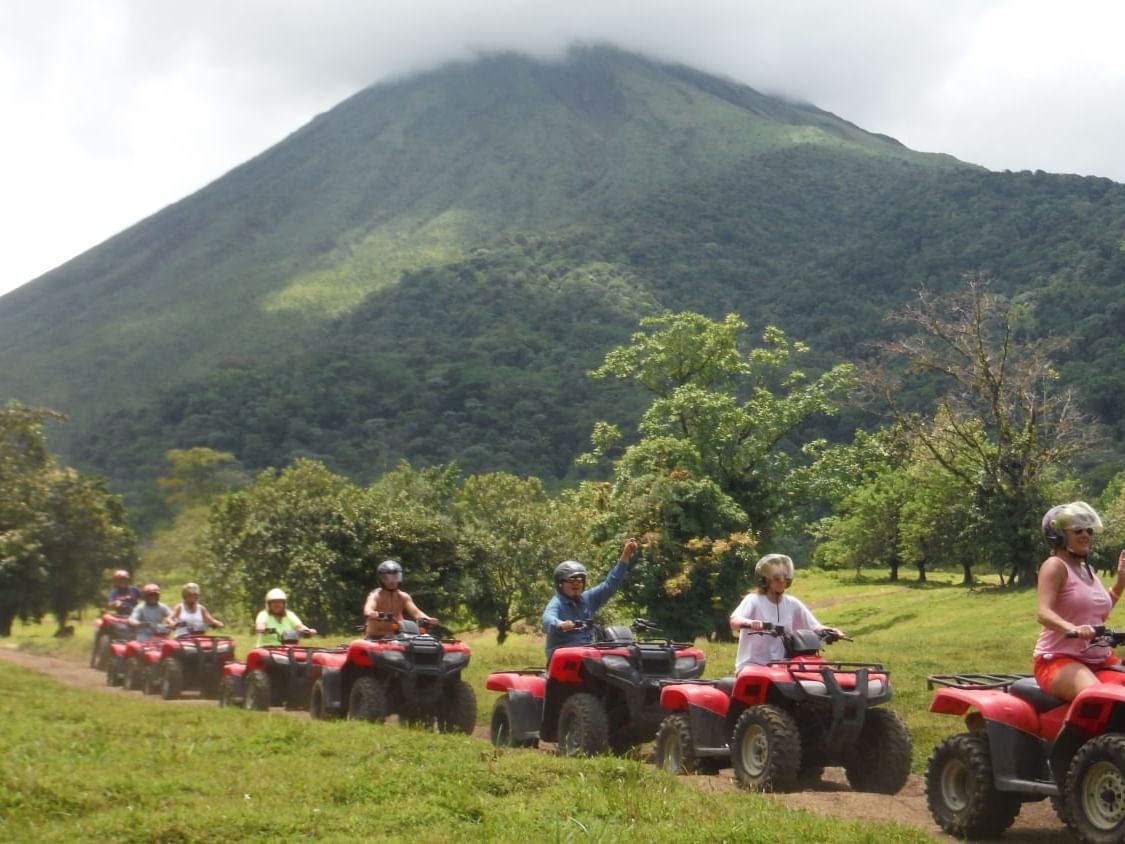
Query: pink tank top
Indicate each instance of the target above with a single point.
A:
(1081, 600)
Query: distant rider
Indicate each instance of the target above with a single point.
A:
(573, 603)
(279, 619)
(123, 596)
(147, 616)
(193, 614)
(388, 598)
(768, 604)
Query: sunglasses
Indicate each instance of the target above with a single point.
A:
(575, 578)
(1088, 531)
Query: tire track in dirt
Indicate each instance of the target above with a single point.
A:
(1036, 824)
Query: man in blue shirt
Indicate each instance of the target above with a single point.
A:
(123, 596)
(573, 603)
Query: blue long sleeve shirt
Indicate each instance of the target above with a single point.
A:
(561, 609)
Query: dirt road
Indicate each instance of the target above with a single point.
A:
(1037, 823)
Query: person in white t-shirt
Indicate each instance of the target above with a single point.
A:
(768, 604)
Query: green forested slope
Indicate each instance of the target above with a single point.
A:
(427, 270)
(399, 177)
(483, 360)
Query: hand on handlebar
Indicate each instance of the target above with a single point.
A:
(568, 625)
(1084, 631)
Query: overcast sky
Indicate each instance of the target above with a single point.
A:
(113, 109)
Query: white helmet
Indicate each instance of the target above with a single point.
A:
(275, 594)
(763, 566)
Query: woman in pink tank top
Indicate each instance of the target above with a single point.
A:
(1071, 601)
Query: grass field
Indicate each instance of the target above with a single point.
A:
(77, 762)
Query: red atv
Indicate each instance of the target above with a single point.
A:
(409, 672)
(109, 627)
(782, 723)
(592, 698)
(1023, 745)
(273, 675)
(135, 663)
(192, 660)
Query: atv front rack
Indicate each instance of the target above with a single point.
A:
(797, 663)
(1003, 682)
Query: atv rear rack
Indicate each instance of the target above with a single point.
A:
(1003, 682)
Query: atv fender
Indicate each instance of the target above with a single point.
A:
(1094, 708)
(332, 681)
(527, 714)
(683, 697)
(237, 685)
(992, 704)
(532, 684)
(235, 669)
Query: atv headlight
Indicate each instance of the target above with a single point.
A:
(454, 659)
(685, 664)
(616, 663)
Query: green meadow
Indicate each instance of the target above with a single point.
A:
(78, 762)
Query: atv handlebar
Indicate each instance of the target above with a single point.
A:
(828, 635)
(1103, 637)
(425, 621)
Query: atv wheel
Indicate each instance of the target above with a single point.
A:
(368, 700)
(960, 791)
(114, 673)
(500, 729)
(150, 684)
(1095, 789)
(675, 749)
(102, 656)
(172, 681)
(457, 712)
(318, 704)
(880, 760)
(766, 749)
(814, 745)
(583, 726)
(226, 692)
(257, 691)
(133, 676)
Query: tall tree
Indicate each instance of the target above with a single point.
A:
(321, 537)
(716, 460)
(82, 534)
(59, 530)
(1008, 420)
(514, 534)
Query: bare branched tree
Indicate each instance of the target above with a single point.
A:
(1004, 412)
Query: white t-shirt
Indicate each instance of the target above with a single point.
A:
(789, 612)
(193, 621)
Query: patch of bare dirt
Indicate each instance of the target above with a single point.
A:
(1036, 824)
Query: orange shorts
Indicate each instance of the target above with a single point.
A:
(1046, 670)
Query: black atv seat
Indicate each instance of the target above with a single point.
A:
(1028, 690)
(726, 685)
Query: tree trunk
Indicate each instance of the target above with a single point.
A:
(966, 574)
(894, 569)
(503, 625)
(7, 616)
